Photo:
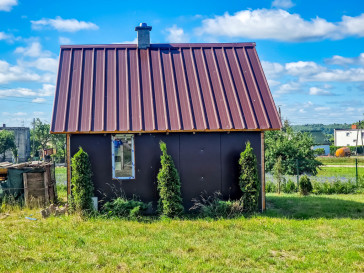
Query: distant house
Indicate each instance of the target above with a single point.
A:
(22, 141)
(349, 137)
(205, 101)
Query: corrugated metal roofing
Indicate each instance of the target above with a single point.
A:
(168, 87)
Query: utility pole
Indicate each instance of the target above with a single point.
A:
(357, 138)
(298, 174)
(33, 138)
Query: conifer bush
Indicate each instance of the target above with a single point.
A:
(248, 180)
(305, 185)
(82, 186)
(169, 186)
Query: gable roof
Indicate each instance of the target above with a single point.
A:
(165, 88)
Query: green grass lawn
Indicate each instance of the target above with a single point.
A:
(315, 234)
(339, 171)
(341, 160)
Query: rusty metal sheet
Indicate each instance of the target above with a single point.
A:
(168, 87)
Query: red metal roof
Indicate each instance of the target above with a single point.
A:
(168, 87)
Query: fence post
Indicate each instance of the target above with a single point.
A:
(356, 171)
(298, 183)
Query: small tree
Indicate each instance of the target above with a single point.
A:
(277, 172)
(248, 179)
(7, 142)
(305, 185)
(82, 190)
(169, 186)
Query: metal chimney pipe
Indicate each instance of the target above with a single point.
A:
(143, 35)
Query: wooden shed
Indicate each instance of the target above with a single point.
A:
(204, 100)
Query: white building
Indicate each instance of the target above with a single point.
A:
(348, 137)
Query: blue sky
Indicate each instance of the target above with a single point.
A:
(312, 51)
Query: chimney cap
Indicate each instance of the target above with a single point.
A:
(143, 26)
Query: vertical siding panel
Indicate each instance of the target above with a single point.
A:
(136, 118)
(158, 87)
(99, 90)
(74, 93)
(110, 122)
(183, 94)
(229, 87)
(68, 94)
(218, 89)
(198, 110)
(172, 104)
(262, 84)
(241, 90)
(123, 81)
(86, 79)
(62, 91)
(258, 109)
(208, 99)
(146, 91)
(262, 113)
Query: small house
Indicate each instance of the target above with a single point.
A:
(204, 100)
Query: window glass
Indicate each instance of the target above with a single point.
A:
(123, 156)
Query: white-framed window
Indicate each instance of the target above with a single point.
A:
(123, 163)
(347, 134)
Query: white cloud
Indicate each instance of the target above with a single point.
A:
(39, 100)
(337, 75)
(267, 24)
(316, 91)
(286, 4)
(176, 35)
(4, 36)
(33, 50)
(288, 88)
(339, 60)
(272, 70)
(352, 25)
(16, 114)
(301, 68)
(135, 41)
(322, 108)
(10, 73)
(7, 5)
(278, 24)
(44, 64)
(46, 91)
(65, 41)
(66, 25)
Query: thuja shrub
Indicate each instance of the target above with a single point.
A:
(169, 186)
(82, 186)
(248, 180)
(305, 185)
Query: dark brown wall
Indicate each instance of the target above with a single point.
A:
(205, 161)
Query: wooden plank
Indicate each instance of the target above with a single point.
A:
(46, 183)
(68, 143)
(262, 170)
(26, 197)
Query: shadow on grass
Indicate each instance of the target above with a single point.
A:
(313, 206)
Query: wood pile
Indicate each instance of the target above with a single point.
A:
(38, 180)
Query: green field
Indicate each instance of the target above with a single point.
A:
(315, 234)
(348, 172)
(341, 160)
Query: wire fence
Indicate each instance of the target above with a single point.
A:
(336, 175)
